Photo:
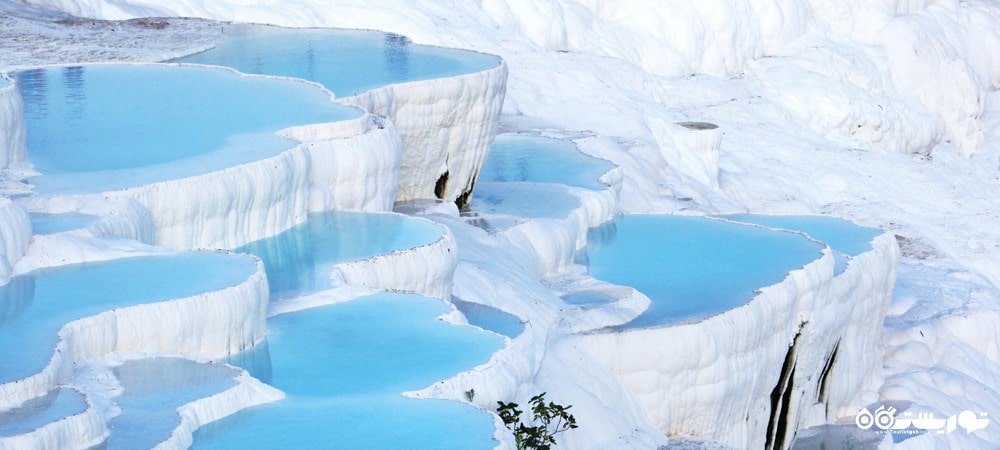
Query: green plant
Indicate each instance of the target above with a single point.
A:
(549, 419)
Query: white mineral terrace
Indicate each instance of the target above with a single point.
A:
(704, 111)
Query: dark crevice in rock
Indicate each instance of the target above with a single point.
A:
(463, 200)
(698, 125)
(824, 376)
(783, 417)
(781, 396)
(441, 187)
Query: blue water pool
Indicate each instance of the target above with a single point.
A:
(841, 235)
(153, 389)
(489, 318)
(40, 411)
(587, 298)
(345, 62)
(528, 200)
(526, 158)
(43, 223)
(103, 127)
(33, 307)
(692, 267)
(343, 367)
(300, 260)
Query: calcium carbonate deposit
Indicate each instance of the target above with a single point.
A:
(817, 266)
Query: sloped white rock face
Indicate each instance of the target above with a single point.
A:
(554, 242)
(207, 325)
(749, 377)
(116, 218)
(849, 321)
(79, 431)
(360, 173)
(446, 124)
(241, 204)
(714, 378)
(230, 207)
(248, 392)
(12, 131)
(15, 234)
(427, 270)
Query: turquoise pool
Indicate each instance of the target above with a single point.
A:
(343, 368)
(41, 411)
(97, 128)
(43, 223)
(844, 237)
(692, 267)
(345, 62)
(526, 158)
(523, 200)
(300, 260)
(152, 390)
(489, 318)
(33, 307)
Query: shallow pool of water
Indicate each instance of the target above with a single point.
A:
(345, 62)
(546, 160)
(692, 267)
(343, 367)
(102, 127)
(34, 306)
(844, 237)
(301, 259)
(43, 223)
(841, 235)
(489, 318)
(528, 200)
(40, 411)
(587, 298)
(153, 389)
